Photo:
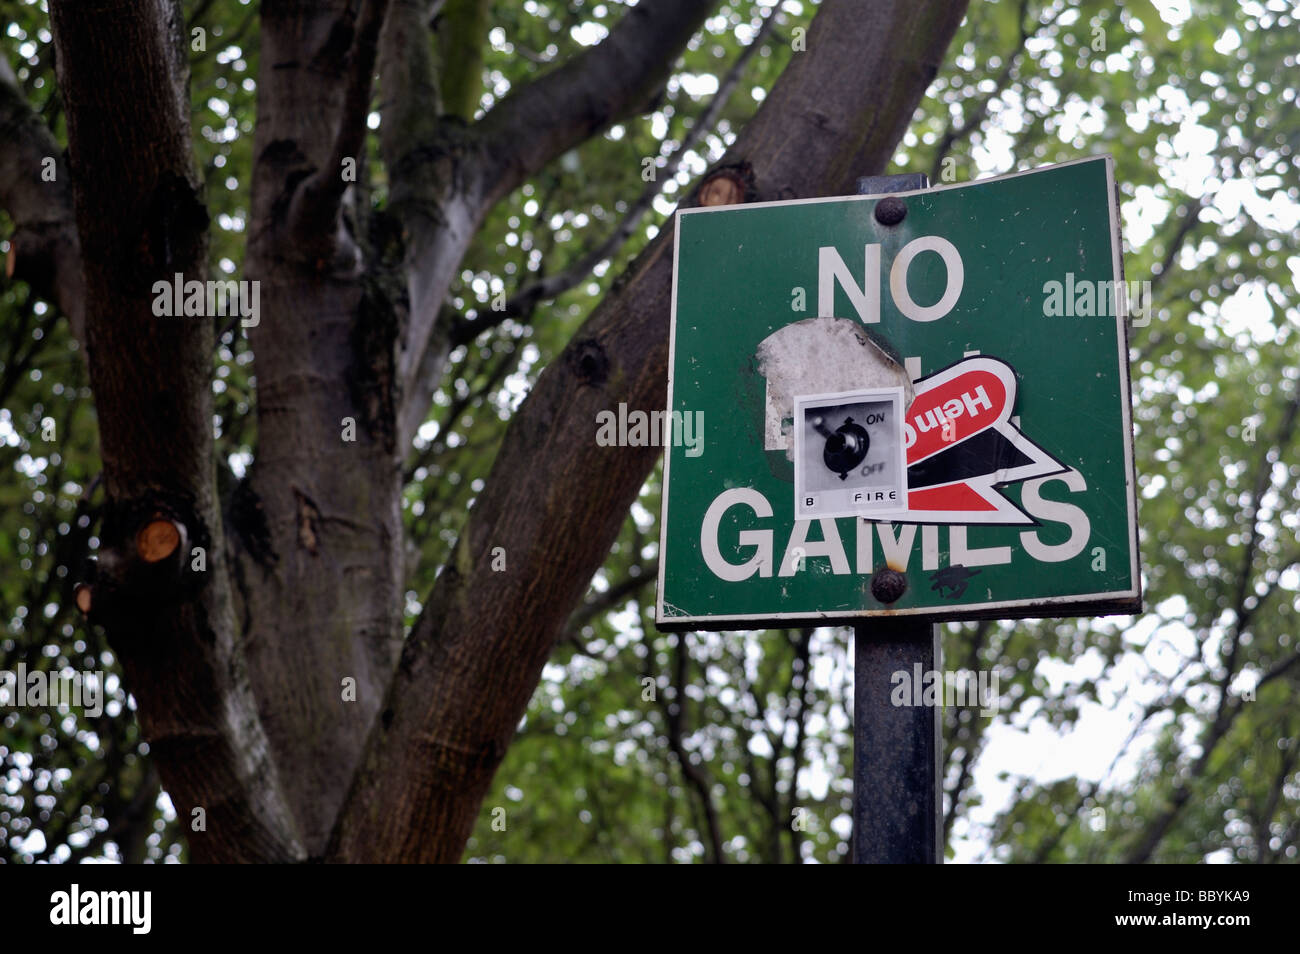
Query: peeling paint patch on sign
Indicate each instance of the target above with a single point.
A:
(821, 355)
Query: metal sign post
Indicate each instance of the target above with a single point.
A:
(897, 750)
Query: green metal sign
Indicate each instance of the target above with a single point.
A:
(994, 312)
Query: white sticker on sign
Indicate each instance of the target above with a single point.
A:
(849, 456)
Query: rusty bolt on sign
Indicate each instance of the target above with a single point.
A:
(888, 585)
(890, 210)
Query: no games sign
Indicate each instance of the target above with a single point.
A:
(998, 310)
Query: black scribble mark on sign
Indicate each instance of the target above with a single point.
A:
(952, 578)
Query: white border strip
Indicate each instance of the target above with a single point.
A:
(949, 613)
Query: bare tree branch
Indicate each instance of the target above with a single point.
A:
(504, 365)
(1186, 225)
(802, 655)
(1278, 670)
(446, 176)
(1189, 221)
(433, 195)
(613, 597)
(955, 133)
(967, 736)
(695, 775)
(563, 108)
(318, 516)
(766, 794)
(1286, 766)
(316, 203)
(552, 286)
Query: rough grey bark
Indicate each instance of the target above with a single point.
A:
(318, 523)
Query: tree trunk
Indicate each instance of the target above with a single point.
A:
(140, 220)
(273, 684)
(554, 499)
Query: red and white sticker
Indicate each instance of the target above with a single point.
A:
(961, 446)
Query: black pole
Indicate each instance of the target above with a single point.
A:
(897, 798)
(896, 748)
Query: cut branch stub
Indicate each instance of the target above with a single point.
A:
(725, 187)
(158, 539)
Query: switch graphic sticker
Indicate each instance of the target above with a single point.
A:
(850, 458)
